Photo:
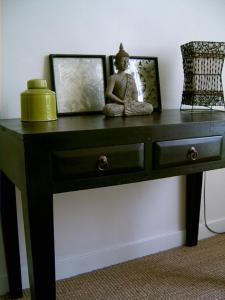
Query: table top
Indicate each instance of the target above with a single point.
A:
(99, 122)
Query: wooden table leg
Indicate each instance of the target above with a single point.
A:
(193, 202)
(39, 233)
(10, 235)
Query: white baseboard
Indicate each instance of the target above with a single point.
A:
(77, 264)
(70, 266)
(73, 265)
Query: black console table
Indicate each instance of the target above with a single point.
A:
(83, 152)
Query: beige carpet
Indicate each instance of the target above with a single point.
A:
(181, 273)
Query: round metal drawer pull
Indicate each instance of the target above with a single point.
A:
(102, 162)
(192, 153)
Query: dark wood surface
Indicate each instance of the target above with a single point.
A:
(193, 195)
(10, 234)
(41, 158)
(98, 122)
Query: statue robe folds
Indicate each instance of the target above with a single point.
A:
(131, 106)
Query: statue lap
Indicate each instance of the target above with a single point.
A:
(130, 108)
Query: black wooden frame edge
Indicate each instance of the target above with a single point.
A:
(52, 78)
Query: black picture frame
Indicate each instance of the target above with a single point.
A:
(146, 75)
(79, 82)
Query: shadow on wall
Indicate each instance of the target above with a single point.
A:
(171, 77)
(46, 71)
(182, 197)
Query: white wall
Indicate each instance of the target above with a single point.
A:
(103, 226)
(3, 282)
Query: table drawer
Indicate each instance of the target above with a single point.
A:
(186, 151)
(99, 161)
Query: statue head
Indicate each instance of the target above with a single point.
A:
(121, 59)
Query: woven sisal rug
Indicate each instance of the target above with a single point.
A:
(181, 273)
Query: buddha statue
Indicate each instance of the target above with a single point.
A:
(121, 91)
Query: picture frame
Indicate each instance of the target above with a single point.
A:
(146, 75)
(79, 82)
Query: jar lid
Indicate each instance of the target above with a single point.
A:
(37, 84)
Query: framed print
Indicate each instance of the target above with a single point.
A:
(146, 75)
(79, 82)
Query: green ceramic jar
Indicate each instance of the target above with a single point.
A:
(38, 102)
